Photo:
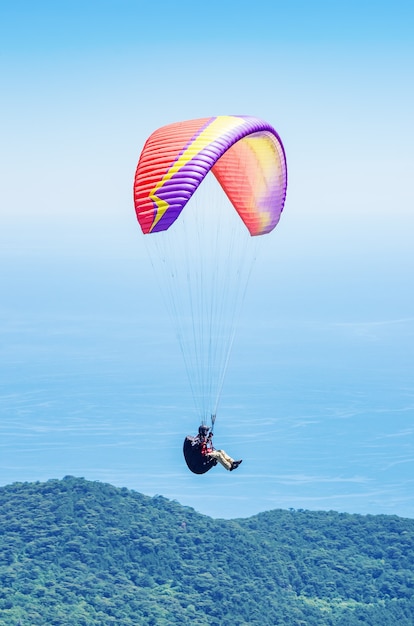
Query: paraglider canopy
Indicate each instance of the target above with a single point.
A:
(244, 153)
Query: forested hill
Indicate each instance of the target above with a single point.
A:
(77, 553)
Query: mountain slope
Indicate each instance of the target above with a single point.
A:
(74, 552)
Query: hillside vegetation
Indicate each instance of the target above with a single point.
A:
(80, 553)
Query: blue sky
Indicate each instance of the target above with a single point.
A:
(319, 398)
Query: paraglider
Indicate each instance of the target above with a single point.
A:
(200, 454)
(212, 258)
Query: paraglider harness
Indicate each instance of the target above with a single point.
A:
(196, 449)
